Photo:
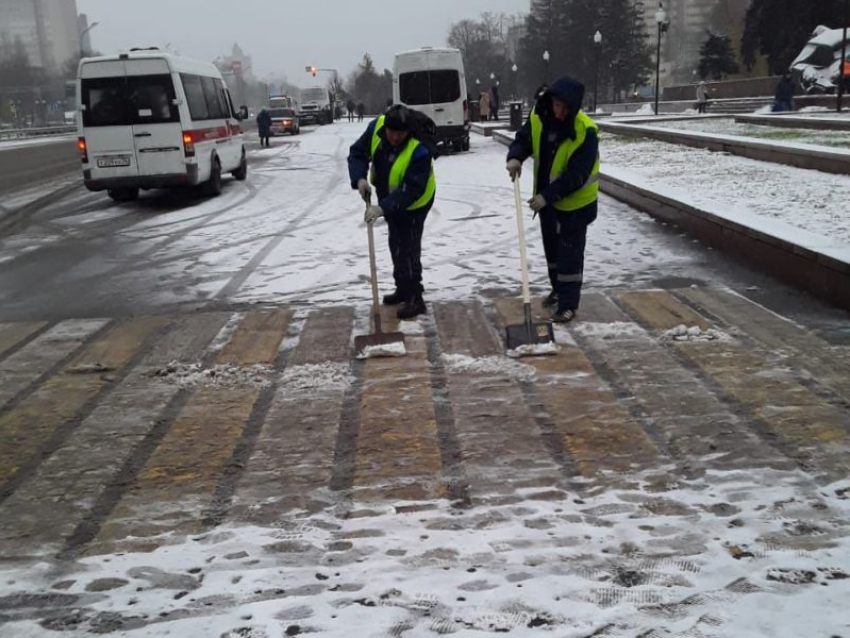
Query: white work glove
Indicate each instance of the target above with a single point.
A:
(514, 167)
(373, 213)
(365, 190)
(537, 203)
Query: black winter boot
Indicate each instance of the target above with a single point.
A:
(412, 307)
(394, 298)
(551, 300)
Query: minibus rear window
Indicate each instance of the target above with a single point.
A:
(125, 101)
(429, 87)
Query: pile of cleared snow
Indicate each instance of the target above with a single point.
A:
(533, 350)
(646, 109)
(395, 349)
(322, 376)
(228, 375)
(489, 365)
(813, 109)
(694, 333)
(611, 330)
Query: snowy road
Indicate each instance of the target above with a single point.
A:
(294, 234)
(188, 448)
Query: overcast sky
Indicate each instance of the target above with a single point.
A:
(284, 36)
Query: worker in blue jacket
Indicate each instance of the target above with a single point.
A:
(564, 143)
(395, 157)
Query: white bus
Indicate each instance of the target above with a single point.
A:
(148, 119)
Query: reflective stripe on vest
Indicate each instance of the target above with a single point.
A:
(400, 166)
(589, 192)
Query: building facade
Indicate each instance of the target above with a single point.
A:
(48, 30)
(688, 23)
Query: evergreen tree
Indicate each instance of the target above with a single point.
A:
(779, 29)
(717, 60)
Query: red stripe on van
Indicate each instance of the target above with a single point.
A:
(208, 134)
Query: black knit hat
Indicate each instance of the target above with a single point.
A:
(398, 118)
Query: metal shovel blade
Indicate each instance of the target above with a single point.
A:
(529, 334)
(380, 344)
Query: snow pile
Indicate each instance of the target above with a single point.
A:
(694, 333)
(764, 110)
(611, 330)
(226, 376)
(322, 376)
(646, 109)
(502, 366)
(412, 328)
(814, 109)
(533, 350)
(395, 349)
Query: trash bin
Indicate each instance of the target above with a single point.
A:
(516, 115)
(474, 112)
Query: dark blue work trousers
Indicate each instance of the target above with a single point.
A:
(564, 238)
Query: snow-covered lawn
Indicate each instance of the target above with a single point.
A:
(838, 139)
(811, 200)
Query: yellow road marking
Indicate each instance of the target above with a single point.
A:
(31, 423)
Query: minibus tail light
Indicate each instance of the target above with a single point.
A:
(188, 144)
(84, 151)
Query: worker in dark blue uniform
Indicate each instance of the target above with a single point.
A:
(400, 167)
(564, 143)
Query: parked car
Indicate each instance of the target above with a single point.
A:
(149, 119)
(284, 121)
(817, 68)
(433, 81)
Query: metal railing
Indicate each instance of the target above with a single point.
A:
(24, 133)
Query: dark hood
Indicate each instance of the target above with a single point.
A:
(567, 90)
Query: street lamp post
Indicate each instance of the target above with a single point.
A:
(842, 71)
(546, 57)
(597, 39)
(513, 75)
(661, 19)
(83, 36)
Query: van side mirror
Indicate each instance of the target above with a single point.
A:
(243, 113)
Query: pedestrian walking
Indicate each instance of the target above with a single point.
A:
(564, 143)
(264, 126)
(484, 106)
(495, 101)
(702, 97)
(361, 111)
(784, 94)
(350, 106)
(397, 153)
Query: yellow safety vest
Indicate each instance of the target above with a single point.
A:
(588, 193)
(400, 166)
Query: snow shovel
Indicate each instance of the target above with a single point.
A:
(379, 343)
(527, 338)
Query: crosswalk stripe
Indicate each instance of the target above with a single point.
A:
(499, 455)
(691, 421)
(292, 459)
(29, 426)
(71, 486)
(827, 365)
(36, 359)
(175, 487)
(398, 453)
(758, 380)
(592, 426)
(12, 334)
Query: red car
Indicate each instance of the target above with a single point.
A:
(284, 121)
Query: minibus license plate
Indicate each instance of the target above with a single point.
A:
(115, 160)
